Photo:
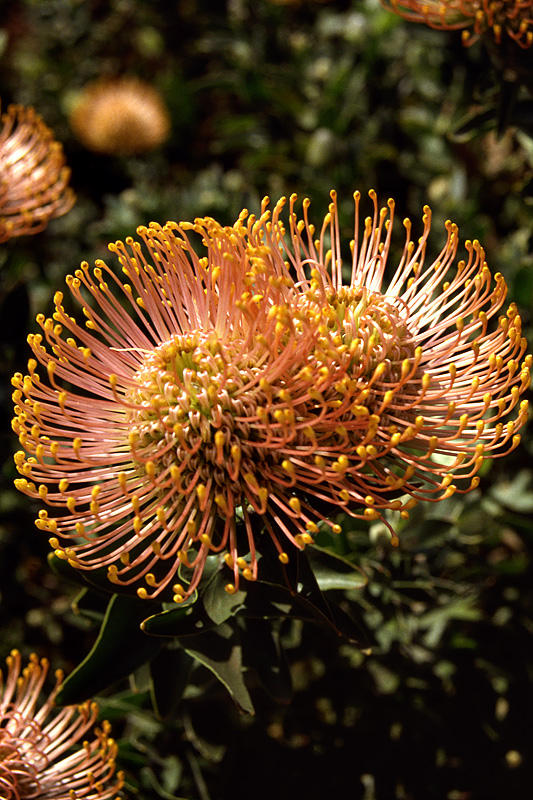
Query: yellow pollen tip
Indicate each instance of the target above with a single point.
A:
(295, 504)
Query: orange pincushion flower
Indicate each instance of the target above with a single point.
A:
(33, 175)
(251, 383)
(120, 116)
(474, 17)
(36, 741)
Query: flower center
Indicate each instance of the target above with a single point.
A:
(190, 409)
(366, 336)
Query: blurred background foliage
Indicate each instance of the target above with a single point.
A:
(271, 98)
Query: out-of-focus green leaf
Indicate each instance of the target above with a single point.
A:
(480, 120)
(172, 769)
(436, 621)
(517, 493)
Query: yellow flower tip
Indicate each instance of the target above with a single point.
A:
(230, 588)
(295, 504)
(228, 560)
(284, 558)
(142, 593)
(394, 540)
(112, 573)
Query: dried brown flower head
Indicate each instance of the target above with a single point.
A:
(120, 116)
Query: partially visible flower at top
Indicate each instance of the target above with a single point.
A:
(253, 384)
(37, 759)
(120, 116)
(475, 18)
(295, 2)
(33, 176)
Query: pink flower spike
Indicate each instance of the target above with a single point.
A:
(36, 741)
(33, 176)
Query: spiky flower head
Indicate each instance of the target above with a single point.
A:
(513, 18)
(258, 387)
(33, 176)
(120, 116)
(38, 758)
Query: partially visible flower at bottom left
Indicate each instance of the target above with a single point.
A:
(39, 753)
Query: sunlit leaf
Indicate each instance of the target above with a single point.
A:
(220, 651)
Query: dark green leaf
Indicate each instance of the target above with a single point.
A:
(220, 651)
(481, 120)
(295, 585)
(263, 652)
(187, 619)
(95, 578)
(218, 604)
(169, 673)
(120, 648)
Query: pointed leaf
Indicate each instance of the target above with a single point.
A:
(89, 604)
(119, 649)
(333, 571)
(218, 604)
(94, 578)
(212, 606)
(186, 619)
(220, 651)
(263, 652)
(169, 675)
(296, 583)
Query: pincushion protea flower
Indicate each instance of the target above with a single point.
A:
(120, 116)
(33, 175)
(37, 758)
(474, 17)
(251, 387)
